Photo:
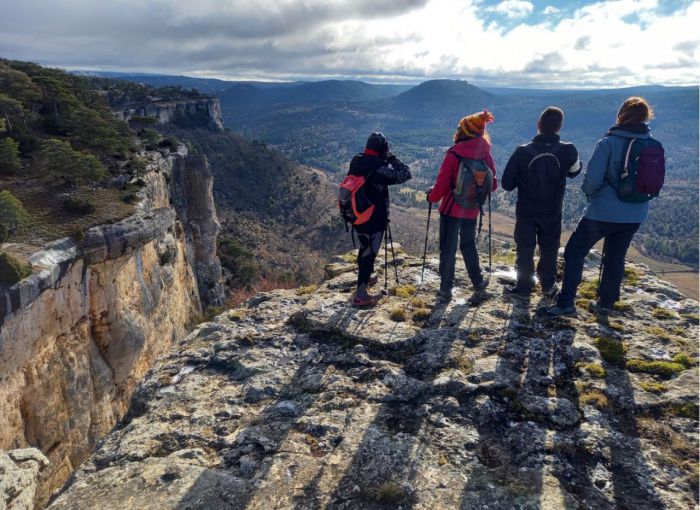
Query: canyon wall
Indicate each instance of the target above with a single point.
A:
(78, 335)
(204, 112)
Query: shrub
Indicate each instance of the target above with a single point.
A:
(12, 270)
(4, 234)
(170, 142)
(611, 350)
(398, 315)
(150, 138)
(78, 205)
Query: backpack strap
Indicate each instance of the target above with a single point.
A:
(626, 164)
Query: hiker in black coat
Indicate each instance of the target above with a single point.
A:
(381, 169)
(541, 183)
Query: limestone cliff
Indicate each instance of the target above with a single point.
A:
(296, 400)
(202, 112)
(78, 335)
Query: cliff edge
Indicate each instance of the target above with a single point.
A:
(297, 400)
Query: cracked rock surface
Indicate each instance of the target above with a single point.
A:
(296, 400)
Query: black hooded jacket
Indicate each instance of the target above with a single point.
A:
(518, 165)
(380, 174)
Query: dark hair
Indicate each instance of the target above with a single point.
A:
(551, 120)
(634, 110)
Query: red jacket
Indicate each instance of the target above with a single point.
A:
(476, 148)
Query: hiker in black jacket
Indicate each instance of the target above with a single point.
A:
(539, 171)
(381, 169)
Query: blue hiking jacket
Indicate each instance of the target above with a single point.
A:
(604, 167)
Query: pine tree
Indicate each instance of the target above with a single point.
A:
(9, 156)
(61, 161)
(12, 212)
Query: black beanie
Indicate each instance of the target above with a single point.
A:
(377, 142)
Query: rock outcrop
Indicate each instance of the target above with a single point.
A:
(78, 335)
(296, 400)
(204, 112)
(19, 474)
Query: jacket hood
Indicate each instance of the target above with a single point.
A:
(625, 133)
(476, 148)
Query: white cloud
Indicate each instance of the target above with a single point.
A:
(368, 39)
(513, 9)
(550, 9)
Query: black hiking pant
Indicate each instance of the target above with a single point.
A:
(367, 253)
(542, 231)
(618, 237)
(462, 232)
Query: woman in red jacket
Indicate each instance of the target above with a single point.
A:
(470, 141)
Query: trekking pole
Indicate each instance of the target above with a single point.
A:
(425, 246)
(393, 255)
(386, 270)
(490, 251)
(602, 259)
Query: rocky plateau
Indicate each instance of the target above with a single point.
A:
(296, 400)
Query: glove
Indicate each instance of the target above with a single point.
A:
(427, 194)
(389, 157)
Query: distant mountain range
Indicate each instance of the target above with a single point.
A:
(324, 123)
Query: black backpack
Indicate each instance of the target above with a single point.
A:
(544, 177)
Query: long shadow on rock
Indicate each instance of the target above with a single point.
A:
(383, 468)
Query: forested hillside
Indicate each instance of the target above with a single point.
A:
(278, 217)
(420, 123)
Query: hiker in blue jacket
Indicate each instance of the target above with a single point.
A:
(606, 216)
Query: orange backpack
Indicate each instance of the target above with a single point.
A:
(355, 207)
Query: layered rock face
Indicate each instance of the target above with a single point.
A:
(296, 400)
(78, 336)
(200, 112)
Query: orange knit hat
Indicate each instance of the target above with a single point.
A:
(475, 124)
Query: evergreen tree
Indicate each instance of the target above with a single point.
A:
(9, 156)
(12, 212)
(60, 160)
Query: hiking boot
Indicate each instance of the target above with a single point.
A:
(478, 297)
(373, 281)
(559, 311)
(514, 290)
(482, 286)
(550, 291)
(444, 296)
(598, 309)
(364, 301)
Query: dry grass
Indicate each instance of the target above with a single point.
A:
(398, 315)
(663, 314)
(593, 398)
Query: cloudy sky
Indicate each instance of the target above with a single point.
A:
(548, 43)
